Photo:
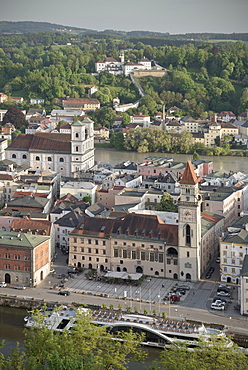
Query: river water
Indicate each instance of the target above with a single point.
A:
(11, 320)
(227, 163)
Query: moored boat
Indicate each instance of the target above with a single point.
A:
(157, 332)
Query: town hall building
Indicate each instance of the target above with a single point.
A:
(138, 243)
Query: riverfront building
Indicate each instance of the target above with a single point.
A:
(137, 243)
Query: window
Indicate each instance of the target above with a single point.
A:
(75, 249)
(133, 244)
(37, 158)
(17, 257)
(233, 262)
(74, 257)
(188, 235)
(82, 249)
(49, 159)
(115, 252)
(187, 254)
(82, 240)
(104, 242)
(89, 258)
(83, 258)
(224, 260)
(7, 255)
(7, 267)
(76, 135)
(124, 253)
(233, 270)
(104, 252)
(134, 255)
(106, 260)
(168, 261)
(61, 159)
(24, 156)
(89, 250)
(13, 156)
(225, 269)
(76, 149)
(26, 258)
(89, 241)
(96, 242)
(97, 259)
(143, 256)
(142, 245)
(97, 250)
(175, 262)
(74, 239)
(240, 254)
(160, 257)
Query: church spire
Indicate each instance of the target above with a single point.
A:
(189, 176)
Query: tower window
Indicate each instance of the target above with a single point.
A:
(188, 236)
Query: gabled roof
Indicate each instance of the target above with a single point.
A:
(189, 176)
(71, 219)
(21, 240)
(41, 227)
(131, 225)
(53, 142)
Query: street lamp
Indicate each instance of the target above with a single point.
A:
(159, 304)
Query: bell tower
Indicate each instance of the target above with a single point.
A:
(189, 225)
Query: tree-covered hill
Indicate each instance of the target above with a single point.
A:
(153, 38)
(30, 27)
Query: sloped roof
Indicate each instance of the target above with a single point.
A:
(189, 176)
(21, 240)
(143, 226)
(26, 224)
(41, 141)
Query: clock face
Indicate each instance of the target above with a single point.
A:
(188, 215)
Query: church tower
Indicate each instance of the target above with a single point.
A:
(82, 145)
(189, 225)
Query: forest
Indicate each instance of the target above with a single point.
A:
(201, 79)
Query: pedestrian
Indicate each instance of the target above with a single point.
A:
(162, 285)
(193, 293)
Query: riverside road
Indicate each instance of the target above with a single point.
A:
(194, 305)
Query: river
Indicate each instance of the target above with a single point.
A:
(227, 163)
(11, 331)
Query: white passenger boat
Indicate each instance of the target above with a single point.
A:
(158, 332)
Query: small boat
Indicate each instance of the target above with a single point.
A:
(157, 332)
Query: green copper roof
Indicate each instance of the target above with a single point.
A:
(21, 240)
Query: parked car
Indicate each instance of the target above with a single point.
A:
(218, 260)
(223, 294)
(174, 297)
(20, 287)
(184, 287)
(218, 305)
(3, 284)
(64, 292)
(224, 286)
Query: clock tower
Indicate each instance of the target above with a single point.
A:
(189, 225)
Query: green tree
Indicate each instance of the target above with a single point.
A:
(87, 198)
(15, 116)
(215, 357)
(117, 141)
(167, 204)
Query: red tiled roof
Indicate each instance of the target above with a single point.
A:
(54, 142)
(189, 176)
(147, 226)
(19, 194)
(26, 224)
(211, 218)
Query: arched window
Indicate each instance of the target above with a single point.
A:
(61, 159)
(76, 135)
(37, 158)
(188, 236)
(13, 156)
(49, 159)
(24, 156)
(172, 252)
